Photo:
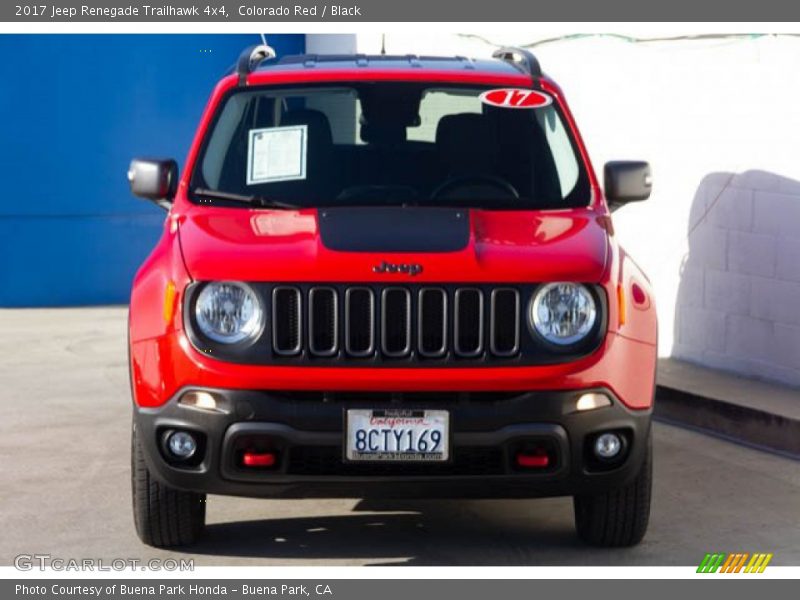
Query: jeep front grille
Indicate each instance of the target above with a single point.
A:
(395, 322)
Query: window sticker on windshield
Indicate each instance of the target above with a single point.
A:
(276, 154)
(516, 98)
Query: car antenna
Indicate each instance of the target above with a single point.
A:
(383, 44)
(269, 48)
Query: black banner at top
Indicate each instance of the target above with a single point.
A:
(263, 11)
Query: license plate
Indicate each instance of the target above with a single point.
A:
(397, 435)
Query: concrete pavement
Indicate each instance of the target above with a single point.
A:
(64, 483)
(762, 414)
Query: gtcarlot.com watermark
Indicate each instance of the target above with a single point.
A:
(42, 562)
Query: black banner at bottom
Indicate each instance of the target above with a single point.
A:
(392, 589)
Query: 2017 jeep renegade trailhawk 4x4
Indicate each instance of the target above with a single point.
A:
(390, 276)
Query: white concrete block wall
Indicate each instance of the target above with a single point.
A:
(719, 121)
(738, 298)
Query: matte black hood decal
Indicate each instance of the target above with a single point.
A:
(394, 229)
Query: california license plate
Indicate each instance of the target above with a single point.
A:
(397, 435)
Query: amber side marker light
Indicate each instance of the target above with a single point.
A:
(621, 304)
(170, 294)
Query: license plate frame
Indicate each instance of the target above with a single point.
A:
(414, 420)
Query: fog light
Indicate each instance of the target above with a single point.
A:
(204, 401)
(607, 446)
(182, 444)
(591, 401)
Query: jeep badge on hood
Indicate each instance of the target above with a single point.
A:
(387, 267)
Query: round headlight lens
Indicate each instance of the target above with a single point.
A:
(563, 313)
(229, 312)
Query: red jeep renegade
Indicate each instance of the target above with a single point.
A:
(390, 276)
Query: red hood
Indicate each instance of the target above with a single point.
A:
(284, 246)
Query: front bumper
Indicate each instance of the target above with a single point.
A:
(308, 435)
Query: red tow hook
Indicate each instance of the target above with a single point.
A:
(259, 459)
(538, 459)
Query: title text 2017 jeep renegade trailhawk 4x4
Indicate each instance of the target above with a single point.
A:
(390, 276)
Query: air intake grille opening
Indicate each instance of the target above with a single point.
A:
(504, 327)
(360, 322)
(396, 322)
(469, 322)
(286, 320)
(432, 322)
(327, 461)
(323, 328)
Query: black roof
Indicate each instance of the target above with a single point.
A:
(386, 61)
(504, 61)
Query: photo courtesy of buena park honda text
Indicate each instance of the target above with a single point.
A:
(497, 300)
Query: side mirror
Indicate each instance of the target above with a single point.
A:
(154, 179)
(627, 181)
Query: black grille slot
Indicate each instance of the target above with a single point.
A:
(327, 460)
(469, 322)
(432, 322)
(360, 322)
(504, 324)
(287, 325)
(323, 321)
(396, 322)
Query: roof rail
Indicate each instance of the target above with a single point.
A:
(467, 62)
(250, 58)
(413, 60)
(520, 57)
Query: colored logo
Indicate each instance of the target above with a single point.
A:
(739, 562)
(515, 98)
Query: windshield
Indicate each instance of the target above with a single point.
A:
(387, 143)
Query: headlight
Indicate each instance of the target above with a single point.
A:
(563, 313)
(229, 312)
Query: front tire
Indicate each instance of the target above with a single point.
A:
(163, 515)
(617, 518)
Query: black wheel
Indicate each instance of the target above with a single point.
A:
(619, 517)
(163, 516)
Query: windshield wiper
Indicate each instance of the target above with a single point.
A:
(255, 200)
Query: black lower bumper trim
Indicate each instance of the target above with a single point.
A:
(306, 437)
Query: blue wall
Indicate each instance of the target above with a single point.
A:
(74, 109)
